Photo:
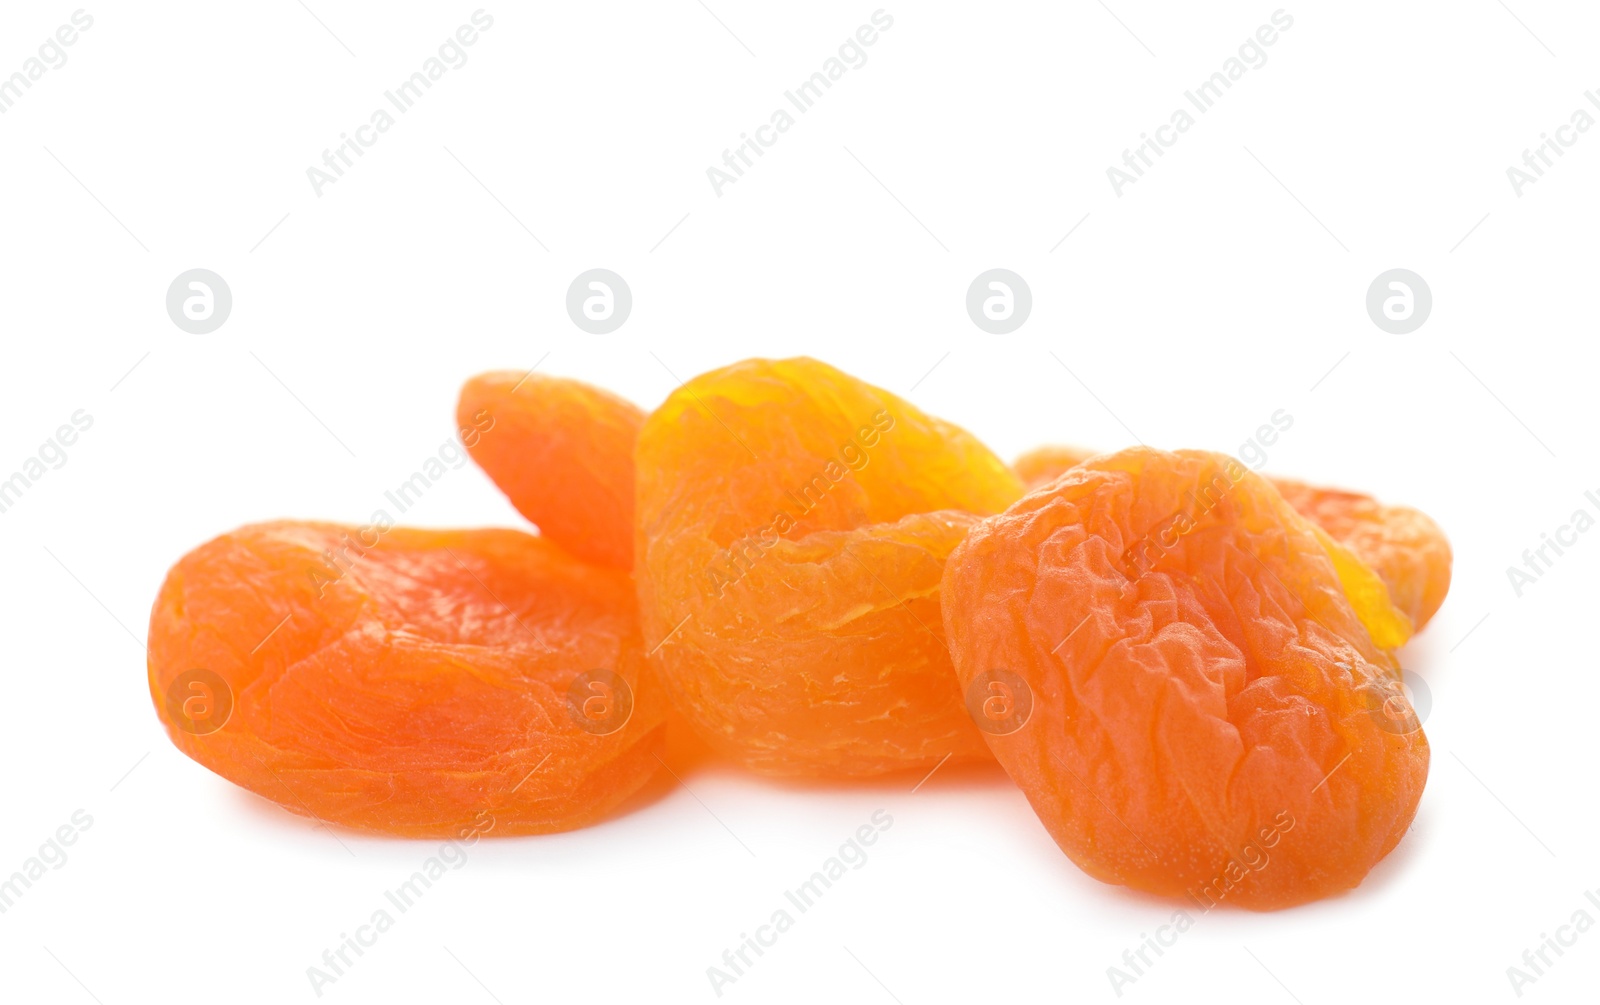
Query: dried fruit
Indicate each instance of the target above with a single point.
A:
(1046, 463)
(562, 451)
(1403, 546)
(407, 681)
(1206, 670)
(793, 527)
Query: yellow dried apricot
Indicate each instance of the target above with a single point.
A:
(793, 527)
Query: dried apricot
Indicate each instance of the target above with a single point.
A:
(1046, 463)
(1206, 674)
(793, 527)
(562, 451)
(1402, 545)
(407, 681)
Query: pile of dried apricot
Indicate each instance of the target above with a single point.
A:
(1187, 668)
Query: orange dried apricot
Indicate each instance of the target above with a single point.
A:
(1046, 463)
(562, 451)
(1205, 674)
(407, 681)
(793, 524)
(1402, 545)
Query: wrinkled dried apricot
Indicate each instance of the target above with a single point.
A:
(1207, 680)
(562, 451)
(407, 681)
(793, 527)
(1402, 545)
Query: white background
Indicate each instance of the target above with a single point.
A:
(1226, 284)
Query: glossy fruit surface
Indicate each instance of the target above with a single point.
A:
(1404, 546)
(793, 527)
(562, 451)
(1208, 677)
(407, 681)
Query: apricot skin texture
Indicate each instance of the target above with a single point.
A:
(562, 452)
(1204, 718)
(793, 527)
(1404, 546)
(415, 685)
